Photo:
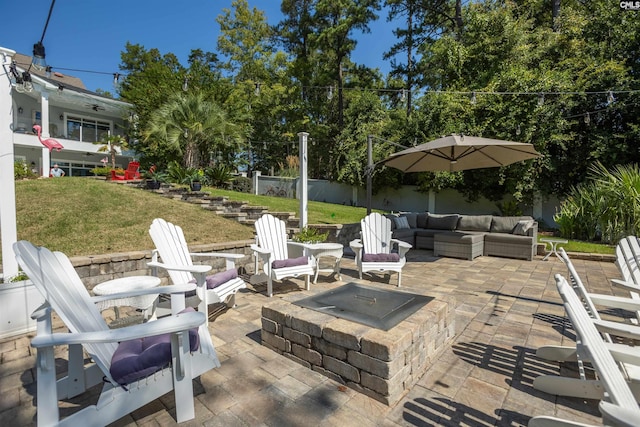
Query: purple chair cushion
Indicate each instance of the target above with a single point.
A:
(136, 359)
(393, 257)
(218, 279)
(290, 262)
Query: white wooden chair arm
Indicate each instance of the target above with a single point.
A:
(616, 302)
(43, 311)
(618, 329)
(403, 247)
(356, 244)
(261, 252)
(174, 289)
(178, 323)
(217, 254)
(624, 353)
(191, 268)
(296, 244)
(630, 286)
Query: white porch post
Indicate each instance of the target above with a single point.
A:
(8, 227)
(44, 116)
(304, 191)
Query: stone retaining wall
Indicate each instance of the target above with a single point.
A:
(94, 269)
(381, 364)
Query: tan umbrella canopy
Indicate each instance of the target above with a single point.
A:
(459, 152)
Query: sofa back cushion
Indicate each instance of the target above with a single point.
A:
(421, 220)
(442, 222)
(506, 224)
(474, 222)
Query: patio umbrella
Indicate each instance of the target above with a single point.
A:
(459, 152)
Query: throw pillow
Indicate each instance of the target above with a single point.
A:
(401, 222)
(218, 279)
(522, 227)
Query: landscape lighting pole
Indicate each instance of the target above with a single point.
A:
(369, 170)
(8, 227)
(304, 196)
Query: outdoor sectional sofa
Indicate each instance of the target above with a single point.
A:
(468, 236)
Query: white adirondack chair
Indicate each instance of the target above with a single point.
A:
(178, 262)
(272, 247)
(628, 262)
(583, 387)
(54, 276)
(374, 250)
(618, 405)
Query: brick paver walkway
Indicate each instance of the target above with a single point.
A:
(505, 310)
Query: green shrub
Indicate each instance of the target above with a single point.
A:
(605, 207)
(310, 235)
(241, 184)
(21, 170)
(218, 176)
(103, 171)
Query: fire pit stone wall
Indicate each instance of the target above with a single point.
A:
(381, 364)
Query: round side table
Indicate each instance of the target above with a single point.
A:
(319, 250)
(147, 303)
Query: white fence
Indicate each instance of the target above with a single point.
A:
(407, 198)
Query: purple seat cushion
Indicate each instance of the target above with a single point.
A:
(218, 279)
(392, 257)
(290, 262)
(139, 358)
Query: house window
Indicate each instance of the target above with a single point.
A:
(87, 129)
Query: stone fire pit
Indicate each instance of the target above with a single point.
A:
(381, 364)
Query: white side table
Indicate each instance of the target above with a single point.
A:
(319, 250)
(553, 242)
(147, 303)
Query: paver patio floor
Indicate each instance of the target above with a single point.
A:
(505, 309)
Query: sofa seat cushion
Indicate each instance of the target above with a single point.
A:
(508, 238)
(427, 232)
(139, 358)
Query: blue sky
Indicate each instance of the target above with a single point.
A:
(90, 34)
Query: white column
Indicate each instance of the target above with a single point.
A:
(537, 205)
(256, 182)
(431, 207)
(44, 116)
(304, 191)
(8, 227)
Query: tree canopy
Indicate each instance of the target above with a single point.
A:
(563, 79)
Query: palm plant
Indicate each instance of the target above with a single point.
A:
(607, 205)
(192, 127)
(112, 145)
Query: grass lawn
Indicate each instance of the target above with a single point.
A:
(81, 216)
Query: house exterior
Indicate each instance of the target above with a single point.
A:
(66, 112)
